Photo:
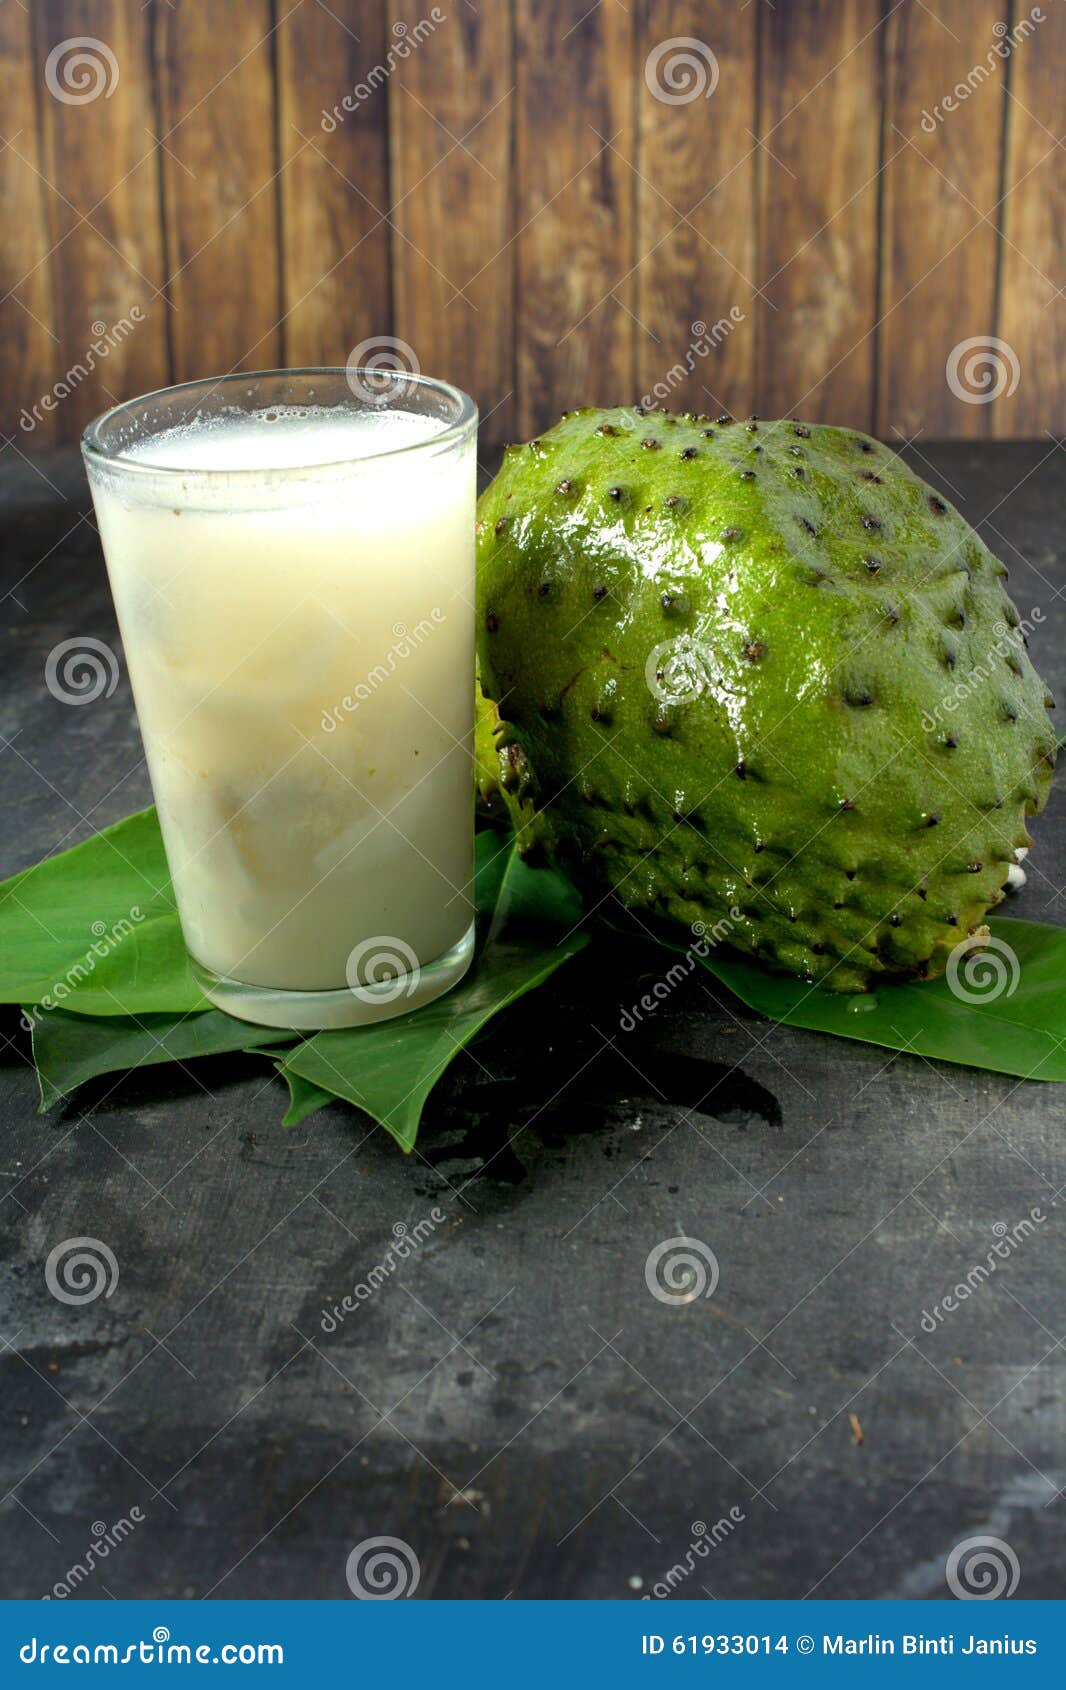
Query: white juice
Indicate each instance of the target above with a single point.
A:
(301, 653)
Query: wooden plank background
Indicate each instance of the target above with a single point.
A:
(850, 209)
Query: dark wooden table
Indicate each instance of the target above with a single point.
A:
(512, 1402)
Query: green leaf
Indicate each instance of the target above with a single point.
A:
(517, 897)
(70, 1049)
(95, 930)
(524, 918)
(304, 1098)
(389, 1070)
(1015, 1029)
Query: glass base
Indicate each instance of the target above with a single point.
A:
(358, 1006)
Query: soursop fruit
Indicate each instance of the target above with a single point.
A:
(761, 668)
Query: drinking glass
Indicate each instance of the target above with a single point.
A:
(291, 556)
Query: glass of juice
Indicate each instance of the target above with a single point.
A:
(291, 556)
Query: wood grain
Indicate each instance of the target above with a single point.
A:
(695, 198)
(1033, 315)
(218, 168)
(532, 197)
(939, 240)
(820, 101)
(574, 197)
(451, 114)
(27, 335)
(334, 178)
(103, 203)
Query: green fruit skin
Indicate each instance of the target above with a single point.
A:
(503, 785)
(857, 735)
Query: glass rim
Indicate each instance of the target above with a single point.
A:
(96, 452)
